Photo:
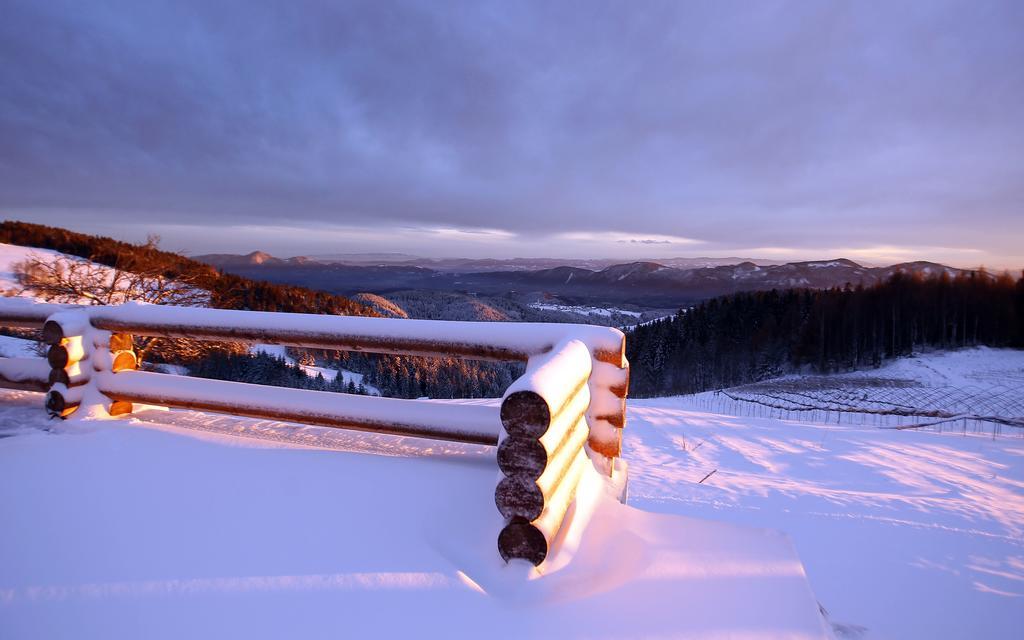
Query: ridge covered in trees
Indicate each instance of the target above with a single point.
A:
(746, 337)
(396, 376)
(226, 291)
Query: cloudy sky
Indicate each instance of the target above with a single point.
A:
(879, 131)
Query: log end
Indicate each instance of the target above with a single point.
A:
(124, 361)
(121, 342)
(525, 413)
(518, 496)
(521, 456)
(120, 408)
(57, 356)
(57, 405)
(609, 447)
(59, 376)
(53, 333)
(521, 540)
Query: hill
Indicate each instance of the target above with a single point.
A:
(650, 284)
(227, 291)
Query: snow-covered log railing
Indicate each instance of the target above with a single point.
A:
(27, 374)
(566, 412)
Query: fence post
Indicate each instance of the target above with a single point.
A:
(541, 451)
(78, 355)
(606, 418)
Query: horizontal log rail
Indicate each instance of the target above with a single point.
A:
(476, 340)
(472, 424)
(565, 414)
(25, 374)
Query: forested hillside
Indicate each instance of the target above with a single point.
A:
(747, 337)
(226, 291)
(394, 375)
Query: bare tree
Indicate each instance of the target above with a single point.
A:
(68, 280)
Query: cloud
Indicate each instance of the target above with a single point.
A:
(624, 238)
(777, 124)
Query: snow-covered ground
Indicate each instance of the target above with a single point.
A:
(279, 351)
(979, 390)
(11, 255)
(166, 526)
(904, 534)
(11, 347)
(584, 310)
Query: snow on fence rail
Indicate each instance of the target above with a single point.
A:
(565, 412)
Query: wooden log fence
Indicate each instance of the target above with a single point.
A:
(565, 413)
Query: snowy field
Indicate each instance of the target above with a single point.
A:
(10, 256)
(979, 390)
(171, 525)
(903, 533)
(584, 310)
(279, 351)
(166, 527)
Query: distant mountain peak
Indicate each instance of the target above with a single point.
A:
(260, 257)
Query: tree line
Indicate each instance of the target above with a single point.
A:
(151, 270)
(746, 337)
(226, 291)
(264, 368)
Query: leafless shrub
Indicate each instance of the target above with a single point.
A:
(68, 280)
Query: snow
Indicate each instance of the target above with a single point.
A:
(477, 423)
(280, 351)
(905, 534)
(979, 390)
(439, 336)
(164, 526)
(11, 255)
(11, 347)
(584, 310)
(316, 532)
(961, 368)
(28, 369)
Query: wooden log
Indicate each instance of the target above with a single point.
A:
(532, 541)
(611, 378)
(22, 385)
(527, 455)
(53, 333)
(472, 424)
(25, 314)
(607, 414)
(124, 361)
(24, 374)
(489, 341)
(550, 521)
(121, 342)
(65, 324)
(525, 413)
(72, 376)
(58, 356)
(605, 439)
(62, 401)
(325, 339)
(521, 540)
(546, 390)
(526, 497)
(70, 350)
(119, 408)
(616, 356)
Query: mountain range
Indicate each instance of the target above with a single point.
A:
(460, 265)
(650, 284)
